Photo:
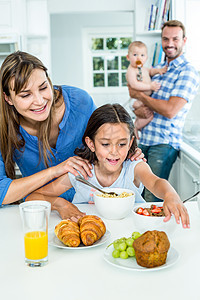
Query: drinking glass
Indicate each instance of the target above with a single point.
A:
(35, 217)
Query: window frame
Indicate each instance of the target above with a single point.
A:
(102, 32)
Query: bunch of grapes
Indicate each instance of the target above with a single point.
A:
(123, 247)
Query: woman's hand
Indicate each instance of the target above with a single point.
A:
(67, 210)
(176, 207)
(73, 165)
(137, 155)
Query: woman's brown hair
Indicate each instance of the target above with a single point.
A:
(20, 65)
(108, 113)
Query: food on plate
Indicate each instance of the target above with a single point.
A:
(68, 233)
(89, 229)
(92, 228)
(123, 247)
(153, 211)
(151, 249)
(122, 195)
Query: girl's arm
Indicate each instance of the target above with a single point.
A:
(162, 189)
(20, 188)
(51, 191)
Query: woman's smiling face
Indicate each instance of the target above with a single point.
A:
(34, 101)
(111, 145)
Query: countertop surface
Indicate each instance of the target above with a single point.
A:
(85, 275)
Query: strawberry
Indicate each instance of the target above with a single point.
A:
(156, 210)
(145, 212)
(140, 211)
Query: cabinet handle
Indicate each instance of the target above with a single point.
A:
(195, 181)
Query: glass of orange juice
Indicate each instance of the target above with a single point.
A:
(35, 216)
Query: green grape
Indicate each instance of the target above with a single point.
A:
(135, 235)
(116, 253)
(122, 246)
(123, 255)
(130, 251)
(116, 245)
(129, 242)
(123, 239)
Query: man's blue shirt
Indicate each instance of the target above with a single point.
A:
(181, 80)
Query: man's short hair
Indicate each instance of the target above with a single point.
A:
(174, 23)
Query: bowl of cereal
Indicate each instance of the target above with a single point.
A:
(150, 216)
(114, 207)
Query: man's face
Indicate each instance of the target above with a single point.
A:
(173, 42)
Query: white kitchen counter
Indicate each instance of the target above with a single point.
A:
(85, 275)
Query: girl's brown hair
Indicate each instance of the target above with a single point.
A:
(20, 65)
(108, 113)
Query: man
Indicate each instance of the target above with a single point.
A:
(160, 139)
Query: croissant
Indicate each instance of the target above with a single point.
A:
(68, 232)
(92, 228)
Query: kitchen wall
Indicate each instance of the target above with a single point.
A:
(67, 49)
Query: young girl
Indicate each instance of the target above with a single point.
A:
(108, 141)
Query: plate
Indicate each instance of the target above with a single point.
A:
(54, 241)
(131, 264)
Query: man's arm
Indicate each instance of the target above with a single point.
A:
(168, 109)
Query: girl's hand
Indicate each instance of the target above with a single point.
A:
(176, 207)
(137, 155)
(73, 165)
(67, 210)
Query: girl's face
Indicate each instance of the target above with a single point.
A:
(111, 145)
(34, 101)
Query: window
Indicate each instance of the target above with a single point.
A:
(106, 59)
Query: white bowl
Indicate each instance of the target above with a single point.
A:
(145, 223)
(114, 208)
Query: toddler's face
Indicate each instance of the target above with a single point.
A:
(137, 56)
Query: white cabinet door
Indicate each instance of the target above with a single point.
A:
(189, 176)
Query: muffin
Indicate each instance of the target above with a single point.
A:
(151, 249)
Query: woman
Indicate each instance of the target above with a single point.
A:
(40, 127)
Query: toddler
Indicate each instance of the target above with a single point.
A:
(139, 78)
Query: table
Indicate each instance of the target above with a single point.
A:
(85, 275)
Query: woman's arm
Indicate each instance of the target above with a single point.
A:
(20, 188)
(162, 189)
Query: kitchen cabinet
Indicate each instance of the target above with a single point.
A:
(189, 178)
(28, 21)
(185, 173)
(37, 34)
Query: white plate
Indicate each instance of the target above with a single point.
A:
(54, 241)
(131, 264)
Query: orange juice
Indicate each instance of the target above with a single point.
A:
(36, 245)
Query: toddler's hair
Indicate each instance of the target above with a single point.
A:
(136, 44)
(108, 113)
